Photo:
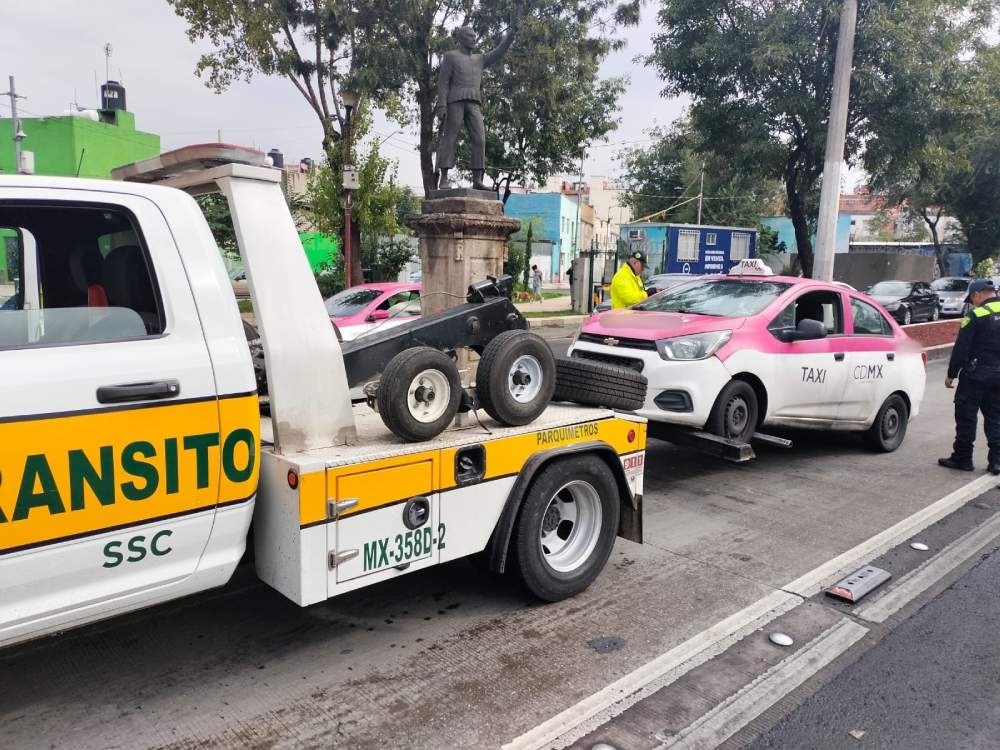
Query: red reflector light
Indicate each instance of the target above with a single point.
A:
(631, 436)
(293, 479)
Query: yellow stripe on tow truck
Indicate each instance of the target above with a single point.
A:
(383, 482)
(68, 476)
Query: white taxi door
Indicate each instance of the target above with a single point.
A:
(110, 452)
(809, 376)
(871, 363)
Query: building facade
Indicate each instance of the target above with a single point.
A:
(555, 220)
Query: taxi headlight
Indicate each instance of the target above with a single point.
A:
(696, 346)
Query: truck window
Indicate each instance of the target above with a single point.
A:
(83, 277)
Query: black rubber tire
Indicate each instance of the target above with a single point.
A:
(494, 369)
(935, 314)
(537, 575)
(598, 384)
(889, 428)
(735, 407)
(907, 317)
(394, 386)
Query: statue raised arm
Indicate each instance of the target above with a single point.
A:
(460, 101)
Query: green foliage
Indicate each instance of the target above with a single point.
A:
(215, 207)
(984, 269)
(386, 258)
(759, 75)
(668, 173)
(517, 260)
(768, 242)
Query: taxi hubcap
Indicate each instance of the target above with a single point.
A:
(737, 416)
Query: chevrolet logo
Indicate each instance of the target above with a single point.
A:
(611, 341)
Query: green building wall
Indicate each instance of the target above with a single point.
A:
(68, 146)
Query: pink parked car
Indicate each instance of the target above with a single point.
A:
(731, 354)
(369, 307)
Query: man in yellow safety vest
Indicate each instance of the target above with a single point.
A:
(626, 287)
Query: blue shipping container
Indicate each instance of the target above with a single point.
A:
(689, 248)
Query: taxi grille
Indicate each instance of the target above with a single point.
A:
(632, 364)
(624, 343)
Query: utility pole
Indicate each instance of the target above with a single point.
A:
(579, 200)
(16, 125)
(836, 133)
(701, 192)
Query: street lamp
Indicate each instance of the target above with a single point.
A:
(350, 99)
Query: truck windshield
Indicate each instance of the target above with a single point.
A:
(734, 298)
(350, 302)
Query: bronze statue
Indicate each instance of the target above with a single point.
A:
(460, 101)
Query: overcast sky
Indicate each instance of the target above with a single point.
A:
(55, 49)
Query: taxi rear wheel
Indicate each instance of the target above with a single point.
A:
(734, 415)
(889, 428)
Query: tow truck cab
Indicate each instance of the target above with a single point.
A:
(133, 457)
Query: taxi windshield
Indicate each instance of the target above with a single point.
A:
(729, 298)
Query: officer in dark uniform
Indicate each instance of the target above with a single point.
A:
(975, 361)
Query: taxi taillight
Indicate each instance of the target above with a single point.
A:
(923, 356)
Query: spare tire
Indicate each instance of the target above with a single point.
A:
(598, 384)
(516, 377)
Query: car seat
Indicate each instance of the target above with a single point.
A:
(128, 284)
(85, 268)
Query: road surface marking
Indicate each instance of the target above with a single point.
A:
(625, 692)
(818, 578)
(917, 581)
(612, 700)
(734, 713)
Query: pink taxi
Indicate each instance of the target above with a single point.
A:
(369, 307)
(731, 354)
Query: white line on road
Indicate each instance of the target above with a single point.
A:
(818, 578)
(607, 703)
(625, 692)
(730, 716)
(917, 581)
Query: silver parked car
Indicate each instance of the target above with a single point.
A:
(951, 292)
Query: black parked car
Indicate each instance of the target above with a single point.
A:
(907, 301)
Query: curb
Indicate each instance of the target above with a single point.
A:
(556, 322)
(941, 351)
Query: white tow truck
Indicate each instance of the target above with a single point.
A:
(135, 465)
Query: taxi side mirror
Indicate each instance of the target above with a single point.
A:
(807, 330)
(378, 315)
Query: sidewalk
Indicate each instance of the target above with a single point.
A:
(545, 314)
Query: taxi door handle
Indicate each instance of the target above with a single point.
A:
(890, 356)
(839, 356)
(159, 389)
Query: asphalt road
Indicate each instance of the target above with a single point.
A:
(451, 657)
(931, 683)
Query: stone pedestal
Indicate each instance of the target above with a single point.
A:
(463, 238)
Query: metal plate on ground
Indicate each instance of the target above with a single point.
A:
(859, 583)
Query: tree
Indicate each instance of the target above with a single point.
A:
(401, 41)
(666, 175)
(760, 72)
(215, 207)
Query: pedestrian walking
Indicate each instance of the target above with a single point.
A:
(627, 287)
(572, 290)
(536, 283)
(975, 362)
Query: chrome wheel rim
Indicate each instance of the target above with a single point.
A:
(428, 396)
(571, 526)
(525, 379)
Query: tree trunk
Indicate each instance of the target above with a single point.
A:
(527, 253)
(425, 104)
(932, 226)
(803, 242)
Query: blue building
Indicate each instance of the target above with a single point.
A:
(555, 217)
(689, 248)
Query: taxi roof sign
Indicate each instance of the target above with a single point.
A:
(751, 267)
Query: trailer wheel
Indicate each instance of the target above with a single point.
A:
(566, 527)
(734, 415)
(419, 393)
(516, 377)
(598, 384)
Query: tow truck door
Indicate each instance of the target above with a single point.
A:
(109, 424)
(387, 519)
